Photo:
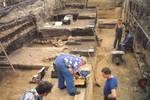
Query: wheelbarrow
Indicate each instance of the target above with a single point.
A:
(117, 57)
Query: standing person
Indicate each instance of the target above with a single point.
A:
(67, 66)
(111, 84)
(119, 28)
(43, 88)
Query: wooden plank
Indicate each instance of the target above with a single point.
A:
(82, 38)
(89, 89)
(89, 83)
(86, 93)
(73, 43)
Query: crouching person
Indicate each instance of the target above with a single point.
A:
(127, 43)
(43, 88)
(67, 66)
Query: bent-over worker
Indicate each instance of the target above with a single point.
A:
(67, 66)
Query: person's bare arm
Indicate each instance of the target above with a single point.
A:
(74, 74)
(113, 94)
(70, 70)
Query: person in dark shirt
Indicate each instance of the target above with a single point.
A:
(110, 86)
(127, 42)
(119, 29)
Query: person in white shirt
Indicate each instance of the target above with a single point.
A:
(43, 88)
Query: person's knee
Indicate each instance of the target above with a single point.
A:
(70, 86)
(71, 90)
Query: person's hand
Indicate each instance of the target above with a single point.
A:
(76, 76)
(70, 70)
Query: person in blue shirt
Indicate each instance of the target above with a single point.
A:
(127, 42)
(111, 84)
(67, 66)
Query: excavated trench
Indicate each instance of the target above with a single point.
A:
(32, 45)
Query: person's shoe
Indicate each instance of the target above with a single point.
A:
(62, 88)
(76, 93)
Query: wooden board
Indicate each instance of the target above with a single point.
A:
(89, 89)
(82, 38)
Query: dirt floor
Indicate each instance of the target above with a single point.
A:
(13, 83)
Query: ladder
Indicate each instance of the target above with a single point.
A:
(5, 58)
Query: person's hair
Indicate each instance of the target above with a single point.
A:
(106, 70)
(127, 31)
(44, 87)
